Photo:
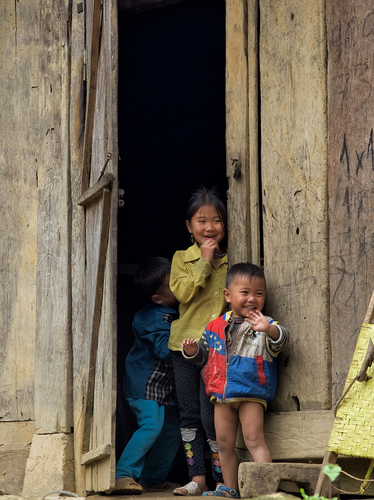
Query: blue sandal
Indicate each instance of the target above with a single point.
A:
(220, 492)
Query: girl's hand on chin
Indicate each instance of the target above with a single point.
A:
(208, 248)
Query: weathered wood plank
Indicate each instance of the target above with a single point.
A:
(96, 190)
(96, 319)
(53, 369)
(78, 256)
(295, 435)
(143, 5)
(294, 195)
(100, 476)
(351, 163)
(96, 454)
(237, 154)
(91, 100)
(16, 432)
(19, 157)
(253, 132)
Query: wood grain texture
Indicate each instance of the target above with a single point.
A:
(253, 132)
(350, 33)
(100, 475)
(93, 53)
(96, 454)
(96, 190)
(295, 435)
(16, 432)
(237, 153)
(294, 196)
(53, 369)
(78, 249)
(97, 265)
(19, 160)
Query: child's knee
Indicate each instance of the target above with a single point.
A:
(254, 441)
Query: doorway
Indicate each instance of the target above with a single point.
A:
(171, 135)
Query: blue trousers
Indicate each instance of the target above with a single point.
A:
(149, 454)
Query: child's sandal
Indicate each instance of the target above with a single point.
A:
(220, 492)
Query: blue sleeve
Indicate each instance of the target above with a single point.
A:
(157, 332)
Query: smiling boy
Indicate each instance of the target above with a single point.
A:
(239, 351)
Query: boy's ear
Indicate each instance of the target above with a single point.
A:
(156, 298)
(227, 295)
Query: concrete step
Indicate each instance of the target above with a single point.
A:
(263, 479)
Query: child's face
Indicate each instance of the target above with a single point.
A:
(164, 296)
(206, 224)
(245, 294)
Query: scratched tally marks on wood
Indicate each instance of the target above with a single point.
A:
(100, 472)
(294, 195)
(350, 31)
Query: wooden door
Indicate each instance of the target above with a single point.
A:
(276, 160)
(100, 199)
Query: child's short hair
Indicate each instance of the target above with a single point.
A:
(150, 275)
(245, 269)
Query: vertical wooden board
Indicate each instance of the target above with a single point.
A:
(19, 155)
(350, 31)
(253, 131)
(237, 130)
(105, 393)
(78, 250)
(294, 195)
(100, 474)
(53, 368)
(94, 16)
(242, 130)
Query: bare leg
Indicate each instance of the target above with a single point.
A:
(251, 416)
(226, 420)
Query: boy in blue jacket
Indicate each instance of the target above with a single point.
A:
(239, 350)
(149, 386)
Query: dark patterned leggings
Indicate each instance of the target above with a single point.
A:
(197, 417)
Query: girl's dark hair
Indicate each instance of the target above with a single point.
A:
(203, 196)
(245, 269)
(150, 276)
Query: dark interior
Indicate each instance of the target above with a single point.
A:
(171, 117)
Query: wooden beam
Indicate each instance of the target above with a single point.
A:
(132, 6)
(95, 191)
(104, 236)
(91, 101)
(294, 435)
(96, 454)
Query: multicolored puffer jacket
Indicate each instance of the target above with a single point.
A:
(250, 371)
